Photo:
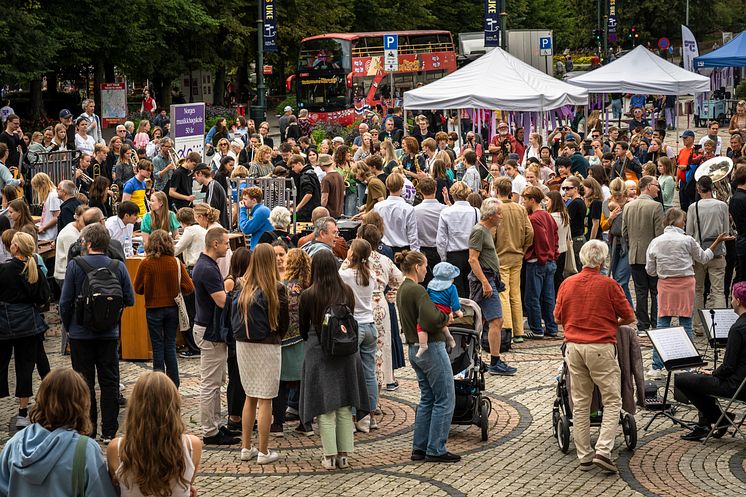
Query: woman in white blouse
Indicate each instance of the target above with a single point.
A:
(83, 141)
(671, 257)
(191, 243)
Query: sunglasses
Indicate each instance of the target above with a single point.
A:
(565, 188)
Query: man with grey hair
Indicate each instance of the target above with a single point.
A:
(484, 280)
(163, 166)
(324, 232)
(94, 122)
(92, 216)
(591, 307)
(66, 192)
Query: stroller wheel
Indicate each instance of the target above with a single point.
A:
(484, 418)
(563, 434)
(629, 429)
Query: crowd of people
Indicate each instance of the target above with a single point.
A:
(505, 221)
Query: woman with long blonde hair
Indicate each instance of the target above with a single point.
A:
(155, 457)
(21, 325)
(159, 217)
(45, 193)
(259, 318)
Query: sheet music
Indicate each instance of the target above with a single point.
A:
(724, 319)
(673, 343)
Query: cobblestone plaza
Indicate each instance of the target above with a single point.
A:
(521, 456)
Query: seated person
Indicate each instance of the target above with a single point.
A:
(724, 381)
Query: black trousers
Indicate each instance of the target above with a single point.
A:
(645, 285)
(234, 393)
(730, 266)
(558, 274)
(460, 259)
(99, 357)
(740, 268)
(699, 389)
(23, 351)
(431, 253)
(187, 335)
(42, 361)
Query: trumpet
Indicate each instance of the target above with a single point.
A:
(114, 189)
(83, 176)
(173, 157)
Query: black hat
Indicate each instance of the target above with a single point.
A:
(201, 167)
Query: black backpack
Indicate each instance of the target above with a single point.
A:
(338, 331)
(101, 301)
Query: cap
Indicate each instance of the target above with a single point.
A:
(325, 160)
(443, 276)
(201, 167)
(570, 138)
(687, 134)
(288, 109)
(65, 113)
(338, 139)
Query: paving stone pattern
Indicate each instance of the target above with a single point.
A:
(521, 456)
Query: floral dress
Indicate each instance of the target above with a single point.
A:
(386, 274)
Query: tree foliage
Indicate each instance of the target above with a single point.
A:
(161, 40)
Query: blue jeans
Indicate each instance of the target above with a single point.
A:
(162, 325)
(616, 108)
(665, 322)
(621, 270)
(437, 398)
(368, 342)
(350, 205)
(539, 296)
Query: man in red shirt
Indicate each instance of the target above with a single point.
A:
(502, 143)
(591, 307)
(540, 262)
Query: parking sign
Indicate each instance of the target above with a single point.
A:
(391, 52)
(545, 45)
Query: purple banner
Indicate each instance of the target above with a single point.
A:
(188, 120)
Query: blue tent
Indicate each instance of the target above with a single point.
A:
(732, 54)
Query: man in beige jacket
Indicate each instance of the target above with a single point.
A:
(512, 237)
(642, 220)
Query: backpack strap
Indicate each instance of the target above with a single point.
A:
(113, 266)
(87, 268)
(78, 473)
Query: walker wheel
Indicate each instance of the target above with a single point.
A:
(629, 429)
(563, 434)
(484, 419)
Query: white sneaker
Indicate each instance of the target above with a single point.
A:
(342, 462)
(653, 374)
(363, 425)
(270, 457)
(329, 462)
(22, 422)
(373, 423)
(249, 454)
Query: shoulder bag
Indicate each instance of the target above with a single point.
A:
(180, 304)
(78, 476)
(570, 265)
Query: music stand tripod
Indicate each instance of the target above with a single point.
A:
(671, 365)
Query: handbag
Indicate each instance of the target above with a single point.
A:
(705, 244)
(181, 305)
(570, 266)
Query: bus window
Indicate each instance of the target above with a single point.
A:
(324, 54)
(323, 93)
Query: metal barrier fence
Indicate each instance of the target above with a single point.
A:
(58, 165)
(277, 192)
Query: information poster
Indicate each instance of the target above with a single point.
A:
(113, 103)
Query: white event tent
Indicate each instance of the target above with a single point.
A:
(641, 71)
(496, 80)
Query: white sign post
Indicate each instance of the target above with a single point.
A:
(391, 52)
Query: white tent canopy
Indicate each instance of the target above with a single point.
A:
(496, 80)
(641, 71)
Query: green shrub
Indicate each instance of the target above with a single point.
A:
(289, 100)
(741, 90)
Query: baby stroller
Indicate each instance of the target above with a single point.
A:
(562, 414)
(472, 408)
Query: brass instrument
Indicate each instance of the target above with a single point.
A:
(114, 189)
(173, 157)
(96, 170)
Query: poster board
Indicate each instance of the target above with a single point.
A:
(113, 103)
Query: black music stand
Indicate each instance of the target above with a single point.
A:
(717, 324)
(677, 352)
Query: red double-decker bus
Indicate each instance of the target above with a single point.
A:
(340, 76)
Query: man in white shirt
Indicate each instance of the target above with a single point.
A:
(712, 134)
(121, 226)
(454, 227)
(66, 238)
(471, 176)
(399, 220)
(518, 180)
(427, 213)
